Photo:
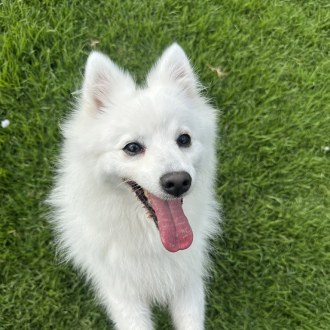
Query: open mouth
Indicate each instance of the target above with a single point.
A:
(139, 192)
(168, 216)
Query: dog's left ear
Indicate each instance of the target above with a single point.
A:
(103, 81)
(174, 67)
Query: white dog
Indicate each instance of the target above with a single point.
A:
(133, 202)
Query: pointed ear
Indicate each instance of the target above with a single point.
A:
(174, 67)
(103, 79)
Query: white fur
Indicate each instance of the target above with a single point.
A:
(100, 224)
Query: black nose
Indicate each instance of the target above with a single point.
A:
(176, 183)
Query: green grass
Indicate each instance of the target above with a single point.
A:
(272, 267)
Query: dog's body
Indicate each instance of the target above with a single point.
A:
(131, 157)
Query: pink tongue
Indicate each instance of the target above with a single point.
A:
(174, 228)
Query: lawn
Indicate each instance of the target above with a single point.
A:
(266, 67)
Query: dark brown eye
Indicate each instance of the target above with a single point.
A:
(184, 140)
(133, 149)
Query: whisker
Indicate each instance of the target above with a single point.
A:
(125, 181)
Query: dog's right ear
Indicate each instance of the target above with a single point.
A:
(174, 67)
(103, 79)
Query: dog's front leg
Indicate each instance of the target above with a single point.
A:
(129, 314)
(187, 309)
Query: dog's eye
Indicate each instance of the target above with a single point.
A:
(133, 148)
(184, 140)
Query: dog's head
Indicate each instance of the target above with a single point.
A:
(155, 139)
